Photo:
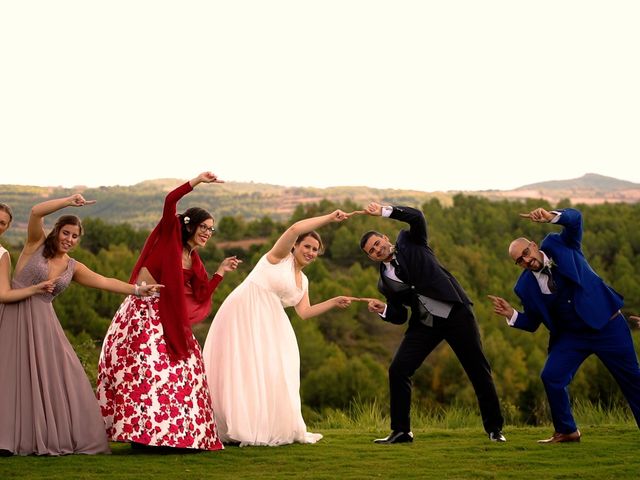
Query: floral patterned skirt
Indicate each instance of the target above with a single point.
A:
(146, 397)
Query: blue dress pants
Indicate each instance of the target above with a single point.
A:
(613, 345)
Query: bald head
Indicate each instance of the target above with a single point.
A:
(517, 246)
(526, 254)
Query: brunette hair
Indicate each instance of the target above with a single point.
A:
(6, 208)
(189, 221)
(312, 234)
(367, 236)
(51, 242)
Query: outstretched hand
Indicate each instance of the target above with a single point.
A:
(501, 306)
(77, 200)
(208, 177)
(47, 286)
(374, 209)
(343, 301)
(229, 264)
(338, 216)
(373, 304)
(635, 318)
(356, 212)
(147, 289)
(539, 215)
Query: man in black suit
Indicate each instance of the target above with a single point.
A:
(412, 278)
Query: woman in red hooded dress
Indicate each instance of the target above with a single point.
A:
(151, 384)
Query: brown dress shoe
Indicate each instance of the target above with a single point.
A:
(562, 437)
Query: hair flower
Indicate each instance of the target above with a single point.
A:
(186, 220)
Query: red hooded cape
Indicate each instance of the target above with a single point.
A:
(162, 255)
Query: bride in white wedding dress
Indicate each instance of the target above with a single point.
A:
(251, 354)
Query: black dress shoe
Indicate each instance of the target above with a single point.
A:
(396, 437)
(497, 436)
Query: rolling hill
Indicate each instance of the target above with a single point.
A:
(140, 205)
(588, 189)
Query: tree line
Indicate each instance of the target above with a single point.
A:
(345, 353)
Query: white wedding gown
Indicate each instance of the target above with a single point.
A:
(252, 360)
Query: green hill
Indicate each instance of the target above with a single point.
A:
(140, 205)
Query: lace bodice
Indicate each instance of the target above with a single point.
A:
(37, 270)
(279, 279)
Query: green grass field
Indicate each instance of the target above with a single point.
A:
(457, 453)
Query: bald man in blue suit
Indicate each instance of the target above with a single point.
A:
(558, 288)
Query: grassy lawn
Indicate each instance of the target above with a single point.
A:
(462, 453)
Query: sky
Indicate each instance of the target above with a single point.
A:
(426, 95)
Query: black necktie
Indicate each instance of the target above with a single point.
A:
(396, 267)
(551, 285)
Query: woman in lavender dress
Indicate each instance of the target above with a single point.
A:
(47, 405)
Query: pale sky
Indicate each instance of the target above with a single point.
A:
(427, 95)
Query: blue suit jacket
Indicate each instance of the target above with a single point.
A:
(595, 302)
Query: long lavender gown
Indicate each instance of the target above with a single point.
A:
(47, 405)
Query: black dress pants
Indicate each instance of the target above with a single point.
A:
(460, 331)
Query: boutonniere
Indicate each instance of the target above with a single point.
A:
(551, 263)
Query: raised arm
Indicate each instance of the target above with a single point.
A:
(412, 216)
(35, 228)
(287, 240)
(175, 195)
(569, 218)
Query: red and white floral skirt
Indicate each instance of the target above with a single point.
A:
(145, 397)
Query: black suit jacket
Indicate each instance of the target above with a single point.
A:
(419, 268)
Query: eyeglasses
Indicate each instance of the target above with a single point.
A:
(203, 227)
(525, 253)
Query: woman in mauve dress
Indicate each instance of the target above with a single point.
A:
(47, 405)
